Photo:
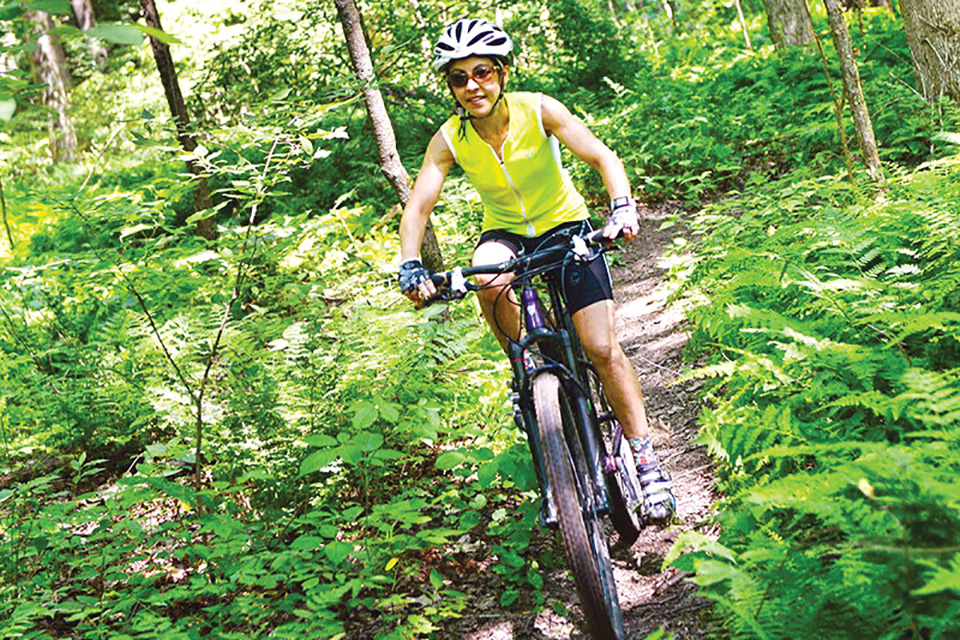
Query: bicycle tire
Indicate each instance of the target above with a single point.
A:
(584, 540)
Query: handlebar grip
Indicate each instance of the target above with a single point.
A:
(443, 281)
(595, 237)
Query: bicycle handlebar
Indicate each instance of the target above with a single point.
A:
(453, 284)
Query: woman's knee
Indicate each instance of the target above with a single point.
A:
(597, 330)
(492, 253)
(603, 350)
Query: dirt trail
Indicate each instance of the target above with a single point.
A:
(653, 338)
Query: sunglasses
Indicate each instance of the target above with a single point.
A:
(480, 73)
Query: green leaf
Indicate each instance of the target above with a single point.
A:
(204, 214)
(469, 520)
(11, 11)
(484, 454)
(307, 543)
(337, 551)
(320, 440)
(449, 460)
(711, 571)
(162, 36)
(699, 542)
(50, 6)
(389, 412)
(117, 33)
(436, 579)
(66, 30)
(487, 473)
(368, 441)
(535, 578)
(352, 453)
(365, 414)
(317, 461)
(129, 231)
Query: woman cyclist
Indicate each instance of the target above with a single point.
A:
(508, 146)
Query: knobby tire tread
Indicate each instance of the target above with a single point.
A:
(575, 535)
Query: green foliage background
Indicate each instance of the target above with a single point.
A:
(358, 458)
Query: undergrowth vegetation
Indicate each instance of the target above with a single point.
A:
(826, 317)
(256, 436)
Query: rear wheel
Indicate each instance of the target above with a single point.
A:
(584, 541)
(623, 486)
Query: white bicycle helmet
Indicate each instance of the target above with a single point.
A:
(471, 37)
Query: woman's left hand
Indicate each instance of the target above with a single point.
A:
(623, 219)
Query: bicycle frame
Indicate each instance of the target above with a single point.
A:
(562, 338)
(557, 401)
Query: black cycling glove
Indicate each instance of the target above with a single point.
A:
(412, 274)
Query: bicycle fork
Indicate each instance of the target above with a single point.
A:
(525, 416)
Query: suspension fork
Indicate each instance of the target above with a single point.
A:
(535, 323)
(580, 394)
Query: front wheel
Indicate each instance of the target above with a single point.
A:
(584, 540)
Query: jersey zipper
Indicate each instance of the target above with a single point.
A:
(531, 230)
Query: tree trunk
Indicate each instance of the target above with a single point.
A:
(83, 11)
(743, 25)
(853, 89)
(789, 22)
(390, 163)
(178, 109)
(933, 33)
(52, 69)
(670, 7)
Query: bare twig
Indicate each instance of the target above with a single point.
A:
(227, 307)
(96, 161)
(19, 338)
(837, 104)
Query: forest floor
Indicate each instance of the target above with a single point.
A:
(653, 336)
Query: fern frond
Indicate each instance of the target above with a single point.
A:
(932, 398)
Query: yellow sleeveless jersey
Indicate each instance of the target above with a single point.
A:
(528, 192)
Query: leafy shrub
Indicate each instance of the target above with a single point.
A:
(690, 131)
(828, 324)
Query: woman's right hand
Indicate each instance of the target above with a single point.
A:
(414, 280)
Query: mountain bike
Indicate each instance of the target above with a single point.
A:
(584, 465)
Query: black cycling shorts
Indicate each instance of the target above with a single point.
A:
(583, 284)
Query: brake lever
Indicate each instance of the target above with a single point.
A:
(580, 249)
(449, 288)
